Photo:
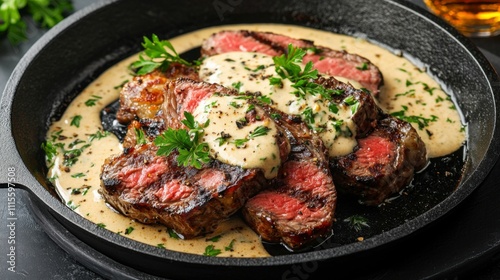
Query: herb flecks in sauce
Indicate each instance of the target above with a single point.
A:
(247, 244)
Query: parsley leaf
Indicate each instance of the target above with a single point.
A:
(211, 251)
(259, 131)
(92, 101)
(288, 66)
(357, 222)
(185, 142)
(160, 52)
(75, 121)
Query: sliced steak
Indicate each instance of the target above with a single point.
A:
(144, 95)
(325, 60)
(383, 163)
(300, 207)
(155, 189)
(184, 94)
(368, 112)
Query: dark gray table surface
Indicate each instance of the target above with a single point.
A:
(39, 257)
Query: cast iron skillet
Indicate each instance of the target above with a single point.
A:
(75, 52)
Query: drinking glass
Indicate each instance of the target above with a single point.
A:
(474, 18)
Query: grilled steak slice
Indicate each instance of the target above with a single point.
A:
(383, 163)
(367, 112)
(325, 60)
(300, 207)
(155, 189)
(144, 95)
(184, 94)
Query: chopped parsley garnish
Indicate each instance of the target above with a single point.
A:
(275, 116)
(363, 67)
(240, 142)
(78, 175)
(75, 121)
(50, 150)
(101, 225)
(141, 137)
(288, 66)
(308, 115)
(259, 131)
(82, 191)
(71, 156)
(173, 234)
(92, 101)
(161, 54)
(215, 238)
(129, 230)
(98, 135)
(332, 107)
(223, 138)
(419, 120)
(237, 85)
(357, 222)
(75, 142)
(265, 99)
(72, 205)
(187, 143)
(210, 250)
(160, 245)
(121, 85)
(353, 103)
(234, 104)
(230, 247)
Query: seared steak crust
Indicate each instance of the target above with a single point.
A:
(383, 163)
(155, 189)
(368, 112)
(144, 95)
(184, 95)
(300, 206)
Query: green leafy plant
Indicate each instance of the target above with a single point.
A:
(46, 13)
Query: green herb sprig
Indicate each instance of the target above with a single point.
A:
(161, 54)
(289, 66)
(191, 151)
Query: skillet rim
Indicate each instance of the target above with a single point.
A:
(399, 232)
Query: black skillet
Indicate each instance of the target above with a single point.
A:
(75, 52)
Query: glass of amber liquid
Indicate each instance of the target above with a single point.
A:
(474, 18)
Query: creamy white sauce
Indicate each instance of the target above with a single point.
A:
(251, 72)
(235, 142)
(405, 85)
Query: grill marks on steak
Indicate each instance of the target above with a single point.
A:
(383, 163)
(299, 207)
(369, 118)
(154, 189)
(325, 60)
